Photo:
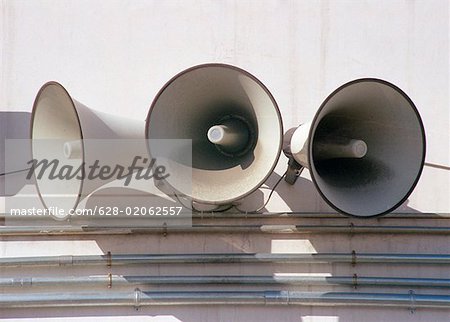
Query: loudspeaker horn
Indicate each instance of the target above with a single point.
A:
(77, 137)
(234, 124)
(365, 148)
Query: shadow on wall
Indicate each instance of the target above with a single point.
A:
(303, 196)
(133, 208)
(300, 197)
(15, 154)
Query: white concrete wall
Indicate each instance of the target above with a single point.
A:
(115, 55)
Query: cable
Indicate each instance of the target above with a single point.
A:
(437, 166)
(268, 198)
(12, 172)
(181, 203)
(192, 208)
(218, 209)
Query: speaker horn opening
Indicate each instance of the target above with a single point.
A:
(234, 124)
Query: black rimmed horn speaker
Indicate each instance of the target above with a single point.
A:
(73, 136)
(365, 148)
(234, 124)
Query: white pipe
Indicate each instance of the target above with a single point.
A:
(214, 229)
(139, 298)
(225, 258)
(120, 280)
(264, 215)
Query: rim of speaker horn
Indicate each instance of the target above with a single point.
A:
(256, 80)
(422, 128)
(33, 114)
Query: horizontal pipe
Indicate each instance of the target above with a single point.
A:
(311, 215)
(222, 229)
(139, 298)
(287, 214)
(120, 280)
(224, 258)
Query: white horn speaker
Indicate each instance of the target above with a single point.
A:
(65, 130)
(365, 148)
(234, 124)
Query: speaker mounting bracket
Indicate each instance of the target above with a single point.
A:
(294, 171)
